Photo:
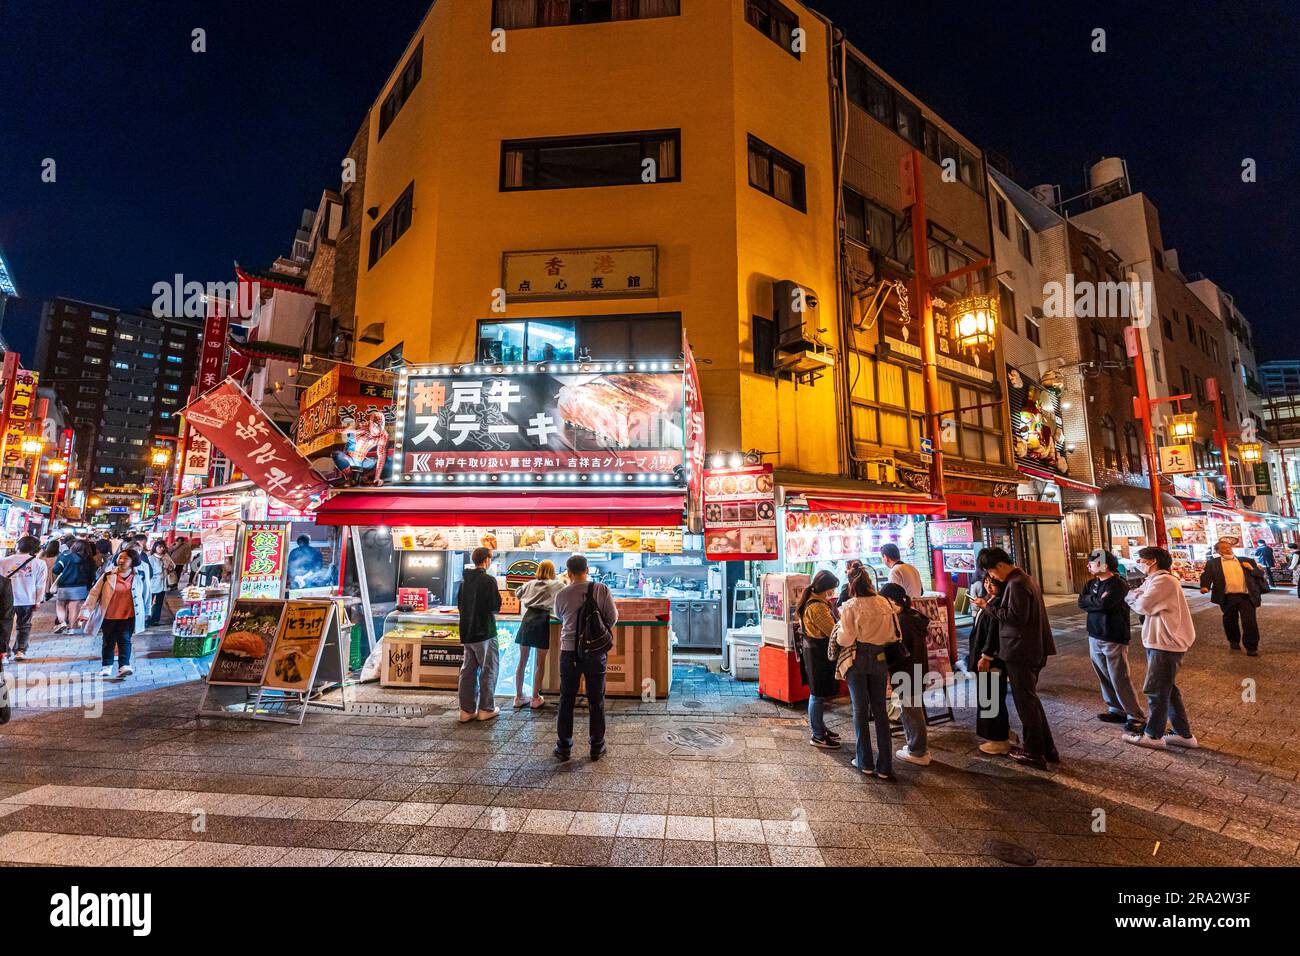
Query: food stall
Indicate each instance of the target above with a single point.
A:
(536, 463)
(1192, 538)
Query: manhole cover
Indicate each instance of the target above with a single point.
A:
(695, 741)
(693, 704)
(1011, 853)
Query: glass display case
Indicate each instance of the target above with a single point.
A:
(423, 649)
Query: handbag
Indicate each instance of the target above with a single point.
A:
(591, 636)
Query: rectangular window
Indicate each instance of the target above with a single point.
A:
(1007, 305)
(1167, 326)
(576, 162)
(390, 228)
(1026, 248)
(1032, 331)
(125, 337)
(401, 90)
(776, 174)
(1155, 365)
(869, 224)
(908, 120)
(1191, 328)
(98, 330)
(175, 359)
(1000, 205)
(763, 331)
(968, 167)
(523, 14)
(775, 21)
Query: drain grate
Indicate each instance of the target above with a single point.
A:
(391, 710)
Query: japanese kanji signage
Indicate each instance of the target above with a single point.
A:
(298, 645)
(261, 567)
(608, 423)
(216, 331)
(622, 272)
(346, 394)
(1177, 460)
(21, 394)
(694, 438)
(981, 504)
(227, 417)
(198, 455)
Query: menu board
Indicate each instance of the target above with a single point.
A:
(1189, 531)
(262, 566)
(417, 599)
(218, 519)
(945, 534)
(298, 645)
(246, 642)
(836, 535)
(590, 540)
(740, 514)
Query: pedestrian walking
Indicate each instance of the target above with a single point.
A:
(816, 624)
(160, 572)
(1167, 635)
(584, 607)
(537, 601)
(1024, 644)
(992, 720)
(180, 553)
(900, 572)
(909, 680)
(74, 573)
(867, 625)
(1264, 555)
(27, 578)
(1108, 638)
(1235, 585)
(479, 601)
(117, 608)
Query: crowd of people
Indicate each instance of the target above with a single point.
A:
(107, 585)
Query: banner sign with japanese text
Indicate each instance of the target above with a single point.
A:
(553, 274)
(216, 332)
(344, 396)
(591, 424)
(227, 417)
(262, 565)
(21, 395)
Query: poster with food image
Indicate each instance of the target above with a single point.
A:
(662, 541)
(564, 539)
(531, 539)
(960, 560)
(740, 513)
(298, 644)
(597, 539)
(246, 642)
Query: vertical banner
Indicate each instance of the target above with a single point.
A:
(694, 427)
(216, 335)
(18, 408)
(262, 560)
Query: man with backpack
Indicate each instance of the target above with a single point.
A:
(28, 576)
(587, 617)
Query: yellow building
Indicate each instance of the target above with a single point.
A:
(681, 157)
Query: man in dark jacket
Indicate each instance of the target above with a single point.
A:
(1024, 644)
(1235, 585)
(910, 681)
(1264, 555)
(479, 601)
(1108, 637)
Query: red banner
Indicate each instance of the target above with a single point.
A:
(979, 504)
(216, 332)
(227, 417)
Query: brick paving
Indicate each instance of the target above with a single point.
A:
(398, 782)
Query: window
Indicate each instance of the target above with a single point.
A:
(534, 341)
(401, 90)
(1032, 330)
(126, 337)
(871, 225)
(1167, 326)
(595, 338)
(1025, 248)
(1000, 205)
(763, 331)
(1200, 390)
(576, 162)
(522, 14)
(172, 388)
(1089, 266)
(1007, 305)
(968, 168)
(908, 121)
(775, 21)
(98, 330)
(175, 359)
(390, 228)
(1109, 443)
(1155, 365)
(1100, 344)
(1191, 328)
(1134, 448)
(122, 365)
(776, 174)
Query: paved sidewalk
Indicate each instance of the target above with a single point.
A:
(712, 776)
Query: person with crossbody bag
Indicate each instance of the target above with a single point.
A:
(27, 575)
(587, 617)
(867, 630)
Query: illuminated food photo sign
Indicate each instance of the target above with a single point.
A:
(617, 424)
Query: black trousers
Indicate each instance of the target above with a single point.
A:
(1239, 621)
(1023, 678)
(992, 722)
(591, 669)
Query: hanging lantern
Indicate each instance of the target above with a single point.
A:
(1251, 454)
(160, 457)
(56, 467)
(976, 321)
(32, 447)
(1182, 427)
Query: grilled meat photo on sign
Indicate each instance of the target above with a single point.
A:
(621, 409)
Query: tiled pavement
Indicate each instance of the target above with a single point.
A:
(147, 783)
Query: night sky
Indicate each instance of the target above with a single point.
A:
(170, 161)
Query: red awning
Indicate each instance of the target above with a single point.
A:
(876, 506)
(519, 509)
(1059, 479)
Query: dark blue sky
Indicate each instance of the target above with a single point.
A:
(170, 161)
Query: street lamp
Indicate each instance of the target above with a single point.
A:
(160, 457)
(977, 321)
(1251, 453)
(56, 466)
(1182, 427)
(33, 446)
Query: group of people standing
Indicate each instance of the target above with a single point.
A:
(114, 587)
(585, 609)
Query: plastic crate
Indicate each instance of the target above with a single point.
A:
(194, 646)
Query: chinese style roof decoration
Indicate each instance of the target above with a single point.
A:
(273, 280)
(274, 351)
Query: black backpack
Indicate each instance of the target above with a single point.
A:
(591, 635)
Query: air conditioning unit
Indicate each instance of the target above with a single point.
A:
(373, 334)
(799, 350)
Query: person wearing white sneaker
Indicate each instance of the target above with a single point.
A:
(1167, 633)
(478, 601)
(125, 672)
(909, 681)
(117, 607)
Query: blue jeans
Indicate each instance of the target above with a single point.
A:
(117, 639)
(868, 680)
(1164, 702)
(817, 716)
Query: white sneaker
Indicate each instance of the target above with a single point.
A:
(489, 714)
(1174, 740)
(854, 764)
(1142, 740)
(125, 671)
(907, 756)
(998, 748)
(106, 672)
(466, 716)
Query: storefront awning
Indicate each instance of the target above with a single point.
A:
(1059, 479)
(518, 509)
(876, 506)
(1133, 499)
